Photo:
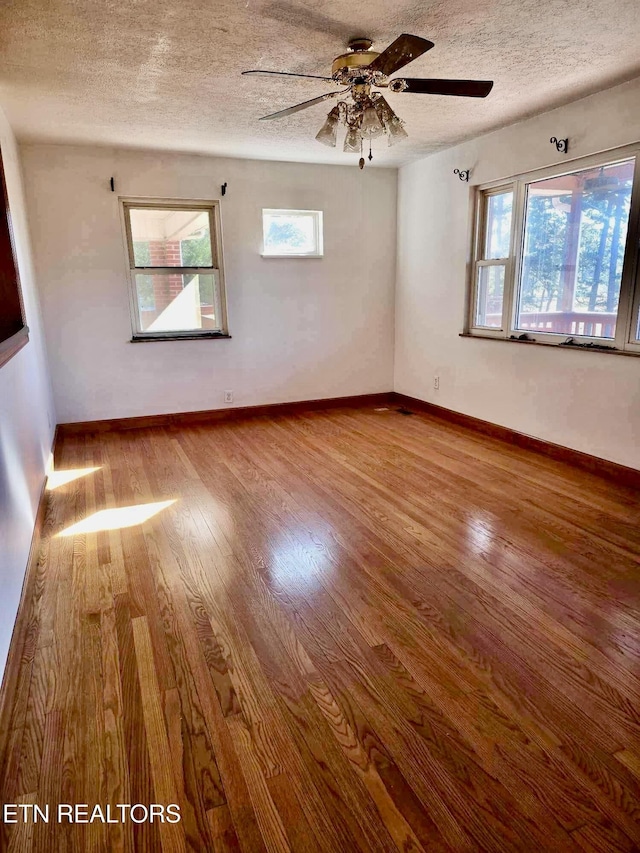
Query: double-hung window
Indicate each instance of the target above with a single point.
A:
(176, 276)
(493, 266)
(556, 256)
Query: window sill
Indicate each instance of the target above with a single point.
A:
(13, 345)
(572, 347)
(294, 257)
(207, 336)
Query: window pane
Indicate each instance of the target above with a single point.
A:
(489, 295)
(498, 225)
(170, 238)
(176, 303)
(575, 235)
(290, 233)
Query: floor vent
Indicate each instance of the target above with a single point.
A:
(403, 411)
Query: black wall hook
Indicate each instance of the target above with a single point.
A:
(223, 188)
(463, 174)
(562, 145)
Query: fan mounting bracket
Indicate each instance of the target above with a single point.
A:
(359, 43)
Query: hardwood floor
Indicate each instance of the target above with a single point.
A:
(351, 631)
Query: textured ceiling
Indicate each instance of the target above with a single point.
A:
(166, 73)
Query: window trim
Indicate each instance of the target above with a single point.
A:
(217, 267)
(12, 344)
(318, 230)
(629, 300)
(480, 218)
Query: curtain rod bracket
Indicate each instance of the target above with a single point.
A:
(562, 145)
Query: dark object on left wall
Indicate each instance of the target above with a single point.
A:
(14, 333)
(112, 184)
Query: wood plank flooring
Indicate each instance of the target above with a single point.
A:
(352, 630)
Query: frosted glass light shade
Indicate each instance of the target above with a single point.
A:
(384, 111)
(353, 141)
(396, 131)
(371, 124)
(328, 133)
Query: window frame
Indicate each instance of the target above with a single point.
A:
(217, 267)
(14, 342)
(318, 228)
(629, 299)
(479, 261)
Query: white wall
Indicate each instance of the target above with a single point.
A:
(301, 329)
(584, 400)
(27, 417)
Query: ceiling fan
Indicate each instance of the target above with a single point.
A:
(367, 113)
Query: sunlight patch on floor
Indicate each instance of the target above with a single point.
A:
(55, 479)
(116, 519)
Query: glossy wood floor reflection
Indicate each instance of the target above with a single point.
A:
(350, 631)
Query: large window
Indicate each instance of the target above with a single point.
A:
(556, 257)
(292, 233)
(175, 257)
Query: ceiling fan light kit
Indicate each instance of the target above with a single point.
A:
(363, 111)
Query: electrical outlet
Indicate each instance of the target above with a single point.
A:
(228, 396)
(436, 383)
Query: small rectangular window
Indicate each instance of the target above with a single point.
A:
(176, 275)
(292, 233)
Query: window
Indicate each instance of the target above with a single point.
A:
(175, 257)
(292, 233)
(492, 266)
(556, 257)
(13, 331)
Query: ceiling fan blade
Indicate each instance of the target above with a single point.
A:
(462, 88)
(261, 73)
(403, 50)
(303, 106)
